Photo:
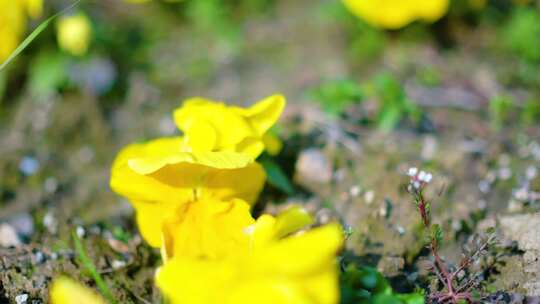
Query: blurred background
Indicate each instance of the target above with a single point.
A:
(457, 94)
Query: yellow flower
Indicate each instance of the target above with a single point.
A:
(157, 178)
(74, 33)
(208, 229)
(296, 269)
(212, 126)
(213, 229)
(394, 14)
(13, 16)
(268, 228)
(67, 291)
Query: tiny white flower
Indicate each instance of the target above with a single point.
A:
(422, 175)
(416, 184)
(428, 177)
(412, 171)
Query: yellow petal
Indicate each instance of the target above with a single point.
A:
(67, 291)
(34, 8)
(289, 255)
(207, 229)
(269, 229)
(298, 269)
(195, 281)
(212, 126)
(218, 160)
(268, 291)
(243, 183)
(231, 127)
(201, 136)
(264, 113)
(291, 220)
(150, 218)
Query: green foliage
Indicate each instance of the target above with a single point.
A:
(436, 234)
(367, 285)
(521, 35)
(500, 108)
(393, 105)
(47, 72)
(91, 269)
(393, 102)
(3, 84)
(429, 77)
(214, 17)
(531, 112)
(366, 42)
(276, 176)
(335, 96)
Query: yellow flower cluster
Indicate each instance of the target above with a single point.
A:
(193, 194)
(13, 17)
(395, 14)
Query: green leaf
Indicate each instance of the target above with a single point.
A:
(91, 268)
(3, 84)
(34, 34)
(47, 72)
(412, 298)
(276, 176)
(436, 233)
(335, 96)
(386, 299)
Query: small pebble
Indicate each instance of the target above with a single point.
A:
(85, 154)
(21, 299)
(40, 257)
(484, 186)
(116, 264)
(354, 191)
(369, 196)
(23, 224)
(167, 126)
(49, 221)
(8, 236)
(29, 165)
(50, 185)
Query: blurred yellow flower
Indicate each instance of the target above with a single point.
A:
(213, 126)
(67, 291)
(296, 269)
(74, 33)
(158, 177)
(394, 14)
(13, 17)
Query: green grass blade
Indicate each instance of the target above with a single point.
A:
(91, 268)
(34, 34)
